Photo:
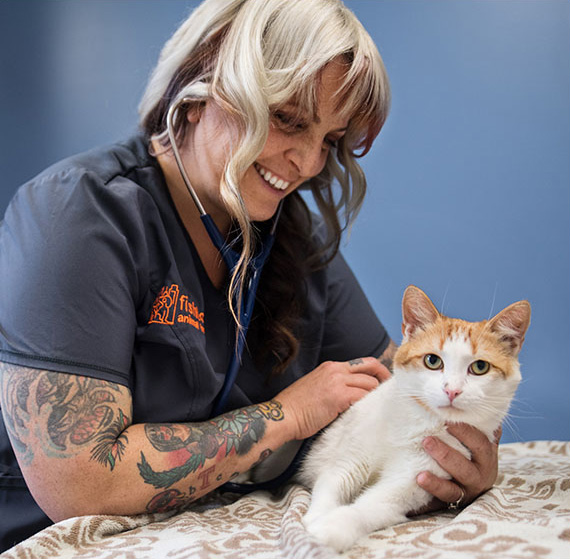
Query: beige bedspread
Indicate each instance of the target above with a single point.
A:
(526, 515)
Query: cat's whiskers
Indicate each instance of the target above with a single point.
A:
(493, 302)
(515, 412)
(417, 396)
(409, 393)
(509, 423)
(445, 297)
(490, 407)
(516, 406)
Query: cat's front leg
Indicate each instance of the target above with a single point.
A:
(342, 527)
(325, 497)
(331, 490)
(380, 506)
(339, 528)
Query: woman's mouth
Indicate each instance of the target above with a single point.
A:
(269, 177)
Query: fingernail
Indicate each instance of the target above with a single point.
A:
(428, 443)
(421, 478)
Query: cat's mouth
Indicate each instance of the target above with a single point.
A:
(450, 409)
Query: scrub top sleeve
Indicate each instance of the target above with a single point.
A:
(68, 255)
(352, 328)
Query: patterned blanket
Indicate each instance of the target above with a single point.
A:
(525, 515)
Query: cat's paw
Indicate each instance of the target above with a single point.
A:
(339, 529)
(310, 518)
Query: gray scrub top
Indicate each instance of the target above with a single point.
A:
(100, 278)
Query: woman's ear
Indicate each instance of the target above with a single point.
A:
(194, 113)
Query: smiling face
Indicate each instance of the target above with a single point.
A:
(296, 150)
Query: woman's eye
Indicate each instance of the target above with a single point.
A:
(282, 118)
(288, 122)
(479, 367)
(332, 143)
(433, 362)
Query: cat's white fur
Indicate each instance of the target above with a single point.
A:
(362, 470)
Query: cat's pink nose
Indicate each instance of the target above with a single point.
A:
(452, 394)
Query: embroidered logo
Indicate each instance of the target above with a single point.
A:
(170, 307)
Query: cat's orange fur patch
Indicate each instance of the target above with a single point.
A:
(484, 344)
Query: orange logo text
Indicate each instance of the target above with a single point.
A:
(170, 307)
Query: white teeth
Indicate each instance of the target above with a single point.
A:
(275, 181)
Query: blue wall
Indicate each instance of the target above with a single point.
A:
(469, 181)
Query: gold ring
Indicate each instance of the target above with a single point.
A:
(456, 504)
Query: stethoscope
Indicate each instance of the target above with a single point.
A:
(253, 274)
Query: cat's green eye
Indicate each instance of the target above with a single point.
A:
(479, 367)
(433, 362)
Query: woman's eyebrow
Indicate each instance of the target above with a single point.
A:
(316, 118)
(341, 130)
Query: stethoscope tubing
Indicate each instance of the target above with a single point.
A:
(254, 269)
(231, 259)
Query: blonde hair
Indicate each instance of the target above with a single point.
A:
(254, 56)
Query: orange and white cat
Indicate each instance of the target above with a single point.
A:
(362, 470)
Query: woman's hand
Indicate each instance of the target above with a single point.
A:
(470, 478)
(320, 396)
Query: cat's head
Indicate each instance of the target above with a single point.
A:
(461, 371)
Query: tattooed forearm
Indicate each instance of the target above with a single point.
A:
(171, 499)
(77, 424)
(262, 457)
(235, 431)
(111, 443)
(14, 402)
(388, 356)
(78, 413)
(167, 437)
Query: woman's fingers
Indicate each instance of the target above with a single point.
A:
(365, 374)
(461, 469)
(369, 366)
(445, 491)
(470, 478)
(484, 458)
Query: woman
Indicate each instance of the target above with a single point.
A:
(119, 316)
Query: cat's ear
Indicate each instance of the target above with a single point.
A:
(418, 311)
(511, 324)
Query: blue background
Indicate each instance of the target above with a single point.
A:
(469, 182)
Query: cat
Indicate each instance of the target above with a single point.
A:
(362, 469)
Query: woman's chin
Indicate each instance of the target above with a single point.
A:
(262, 212)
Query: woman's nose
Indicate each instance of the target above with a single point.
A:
(308, 158)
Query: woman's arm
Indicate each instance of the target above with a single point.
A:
(387, 356)
(81, 454)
